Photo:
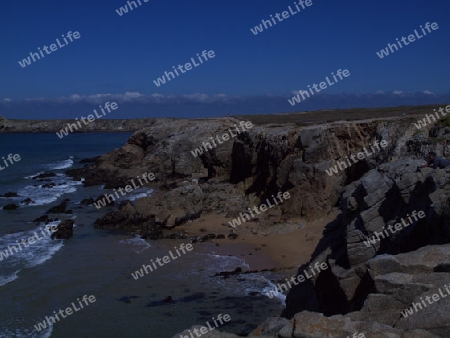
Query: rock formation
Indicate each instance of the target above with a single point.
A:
(65, 230)
(367, 286)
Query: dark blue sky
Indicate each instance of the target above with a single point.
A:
(120, 54)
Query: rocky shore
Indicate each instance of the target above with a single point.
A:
(53, 126)
(366, 287)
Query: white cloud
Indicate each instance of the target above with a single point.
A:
(397, 92)
(198, 97)
(7, 99)
(428, 92)
(74, 97)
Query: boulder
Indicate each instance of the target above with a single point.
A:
(10, 206)
(65, 230)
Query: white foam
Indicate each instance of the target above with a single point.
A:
(136, 242)
(8, 279)
(27, 333)
(29, 255)
(34, 175)
(64, 164)
(272, 287)
(140, 195)
(43, 196)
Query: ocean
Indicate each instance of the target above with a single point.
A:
(48, 275)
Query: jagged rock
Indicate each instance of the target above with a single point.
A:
(65, 230)
(258, 163)
(171, 209)
(388, 283)
(367, 282)
(27, 201)
(273, 326)
(59, 209)
(315, 325)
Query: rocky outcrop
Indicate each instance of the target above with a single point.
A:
(65, 230)
(246, 170)
(382, 198)
(368, 282)
(171, 209)
(59, 209)
(399, 282)
(385, 262)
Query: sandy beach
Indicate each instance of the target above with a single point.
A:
(261, 249)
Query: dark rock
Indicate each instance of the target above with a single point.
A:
(227, 274)
(10, 206)
(87, 201)
(220, 236)
(103, 199)
(59, 209)
(48, 185)
(194, 297)
(42, 219)
(65, 230)
(40, 176)
(204, 238)
(10, 194)
(178, 235)
(27, 201)
(232, 236)
(127, 220)
(127, 299)
(90, 160)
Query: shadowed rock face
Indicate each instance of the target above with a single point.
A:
(383, 197)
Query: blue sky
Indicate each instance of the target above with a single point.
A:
(122, 55)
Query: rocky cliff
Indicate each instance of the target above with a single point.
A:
(242, 172)
(368, 283)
